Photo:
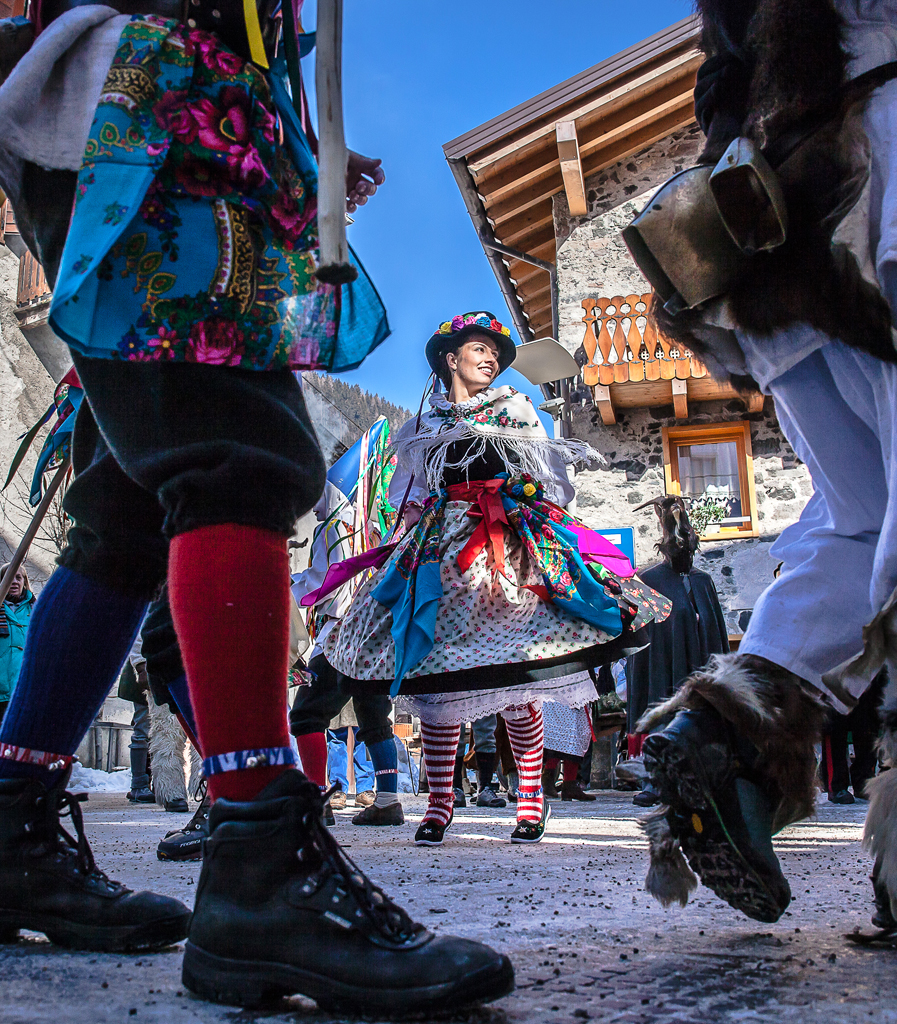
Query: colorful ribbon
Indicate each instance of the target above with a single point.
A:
(485, 497)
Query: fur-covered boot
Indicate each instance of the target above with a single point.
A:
(880, 834)
(167, 744)
(731, 754)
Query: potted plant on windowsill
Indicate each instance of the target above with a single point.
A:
(707, 512)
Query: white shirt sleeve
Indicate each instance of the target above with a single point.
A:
(398, 485)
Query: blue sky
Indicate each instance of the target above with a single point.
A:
(418, 73)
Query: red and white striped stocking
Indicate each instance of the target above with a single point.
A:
(440, 745)
(526, 735)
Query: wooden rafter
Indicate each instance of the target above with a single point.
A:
(571, 168)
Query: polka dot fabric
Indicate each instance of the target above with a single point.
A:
(482, 619)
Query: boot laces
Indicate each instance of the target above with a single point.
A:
(63, 842)
(386, 917)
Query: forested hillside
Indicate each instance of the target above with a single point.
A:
(359, 407)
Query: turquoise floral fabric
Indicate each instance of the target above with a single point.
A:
(193, 236)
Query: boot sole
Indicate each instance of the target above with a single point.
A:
(686, 788)
(188, 857)
(95, 938)
(250, 984)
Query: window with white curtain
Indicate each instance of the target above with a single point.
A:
(714, 459)
(711, 468)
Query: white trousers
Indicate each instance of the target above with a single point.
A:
(838, 409)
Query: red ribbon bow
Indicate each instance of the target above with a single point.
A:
(486, 503)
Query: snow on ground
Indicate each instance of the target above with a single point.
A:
(92, 780)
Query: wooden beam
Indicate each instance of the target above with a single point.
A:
(680, 398)
(754, 402)
(528, 238)
(505, 152)
(605, 405)
(571, 168)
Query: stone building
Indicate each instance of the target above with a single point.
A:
(548, 186)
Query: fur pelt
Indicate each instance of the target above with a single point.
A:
(167, 746)
(794, 65)
(772, 708)
(880, 833)
(887, 713)
(670, 879)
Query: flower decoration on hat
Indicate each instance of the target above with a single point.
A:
(459, 322)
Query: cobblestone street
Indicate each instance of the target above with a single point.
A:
(586, 940)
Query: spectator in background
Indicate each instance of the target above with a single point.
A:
(861, 727)
(338, 762)
(132, 687)
(15, 613)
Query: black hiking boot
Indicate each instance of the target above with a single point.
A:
(49, 882)
(280, 910)
(186, 843)
(720, 816)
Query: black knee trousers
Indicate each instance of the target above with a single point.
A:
(164, 448)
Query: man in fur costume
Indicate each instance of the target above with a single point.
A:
(809, 322)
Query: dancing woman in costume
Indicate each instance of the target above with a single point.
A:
(495, 600)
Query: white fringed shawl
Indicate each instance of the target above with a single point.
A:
(503, 417)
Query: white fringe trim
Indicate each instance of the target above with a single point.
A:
(427, 452)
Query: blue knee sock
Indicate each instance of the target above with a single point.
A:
(385, 759)
(78, 638)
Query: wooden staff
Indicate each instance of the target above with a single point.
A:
(334, 266)
(25, 543)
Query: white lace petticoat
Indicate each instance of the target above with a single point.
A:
(575, 691)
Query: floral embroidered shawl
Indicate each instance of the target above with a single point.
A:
(194, 233)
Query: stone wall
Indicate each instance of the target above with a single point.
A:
(26, 389)
(592, 259)
(634, 473)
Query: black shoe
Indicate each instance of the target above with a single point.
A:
(49, 882)
(186, 843)
(374, 815)
(144, 795)
(328, 815)
(532, 831)
(489, 798)
(573, 791)
(177, 806)
(647, 796)
(431, 833)
(460, 798)
(549, 784)
(843, 796)
(280, 910)
(720, 816)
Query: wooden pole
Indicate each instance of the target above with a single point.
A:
(22, 550)
(334, 266)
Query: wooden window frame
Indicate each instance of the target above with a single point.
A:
(738, 431)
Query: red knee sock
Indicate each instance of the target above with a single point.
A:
(440, 744)
(526, 736)
(313, 752)
(571, 770)
(229, 593)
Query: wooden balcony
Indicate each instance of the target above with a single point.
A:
(633, 365)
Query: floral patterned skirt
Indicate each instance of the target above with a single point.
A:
(491, 630)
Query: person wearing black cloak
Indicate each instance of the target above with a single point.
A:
(683, 642)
